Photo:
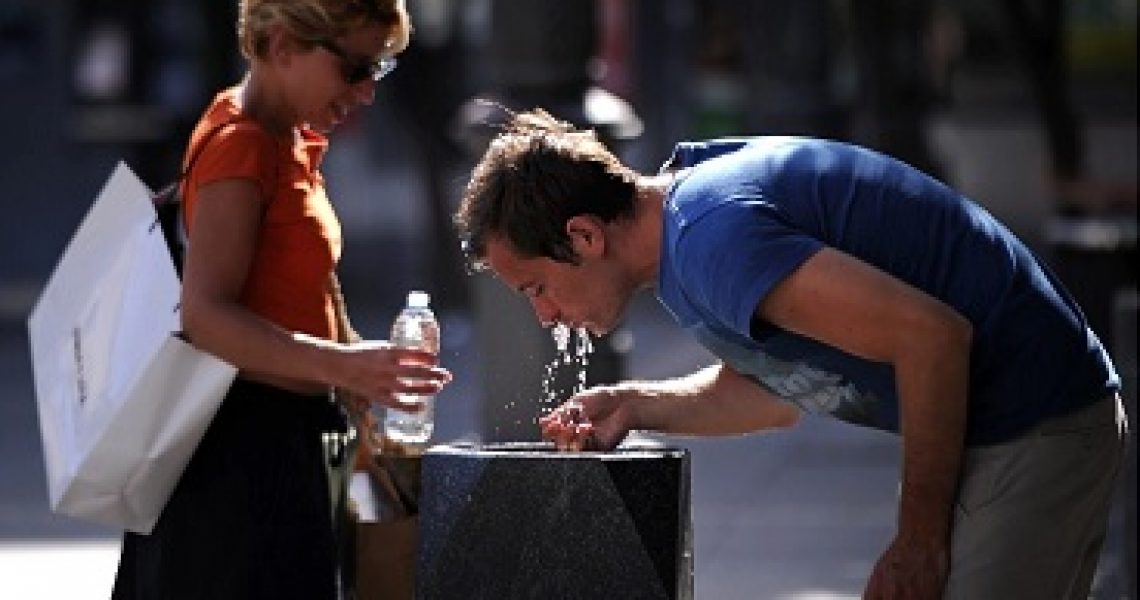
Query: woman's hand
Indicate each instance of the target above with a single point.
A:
(596, 419)
(378, 371)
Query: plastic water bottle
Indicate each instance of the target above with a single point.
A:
(414, 327)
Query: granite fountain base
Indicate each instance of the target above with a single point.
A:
(526, 521)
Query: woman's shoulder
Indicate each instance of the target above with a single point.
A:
(227, 144)
(244, 135)
(225, 125)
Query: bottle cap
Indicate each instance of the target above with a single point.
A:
(418, 299)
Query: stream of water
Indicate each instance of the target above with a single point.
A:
(572, 351)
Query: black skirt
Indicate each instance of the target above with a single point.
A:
(251, 516)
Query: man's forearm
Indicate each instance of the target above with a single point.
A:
(713, 401)
(932, 389)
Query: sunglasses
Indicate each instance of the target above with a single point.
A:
(355, 69)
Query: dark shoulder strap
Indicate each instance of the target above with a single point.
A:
(168, 200)
(346, 334)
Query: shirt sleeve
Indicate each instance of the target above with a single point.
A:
(241, 151)
(732, 257)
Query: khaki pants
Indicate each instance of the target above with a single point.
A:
(1031, 513)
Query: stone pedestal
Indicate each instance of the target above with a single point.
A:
(525, 521)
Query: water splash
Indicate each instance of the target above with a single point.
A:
(582, 351)
(561, 334)
(566, 355)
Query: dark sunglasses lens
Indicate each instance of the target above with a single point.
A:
(357, 73)
(374, 71)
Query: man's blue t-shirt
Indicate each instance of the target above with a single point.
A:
(744, 213)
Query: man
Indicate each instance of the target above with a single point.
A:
(831, 279)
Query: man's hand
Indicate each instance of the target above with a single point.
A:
(596, 419)
(909, 570)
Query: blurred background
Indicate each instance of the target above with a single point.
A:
(1028, 106)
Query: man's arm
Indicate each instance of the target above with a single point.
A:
(713, 401)
(846, 303)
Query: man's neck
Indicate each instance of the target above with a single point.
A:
(642, 245)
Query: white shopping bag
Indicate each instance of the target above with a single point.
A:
(122, 400)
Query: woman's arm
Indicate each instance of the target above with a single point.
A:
(227, 218)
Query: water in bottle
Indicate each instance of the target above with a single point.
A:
(414, 327)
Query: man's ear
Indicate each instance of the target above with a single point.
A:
(587, 235)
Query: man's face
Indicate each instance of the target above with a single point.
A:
(591, 294)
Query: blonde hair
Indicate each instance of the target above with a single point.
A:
(311, 20)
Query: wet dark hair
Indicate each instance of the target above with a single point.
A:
(535, 175)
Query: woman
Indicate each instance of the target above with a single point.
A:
(251, 516)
